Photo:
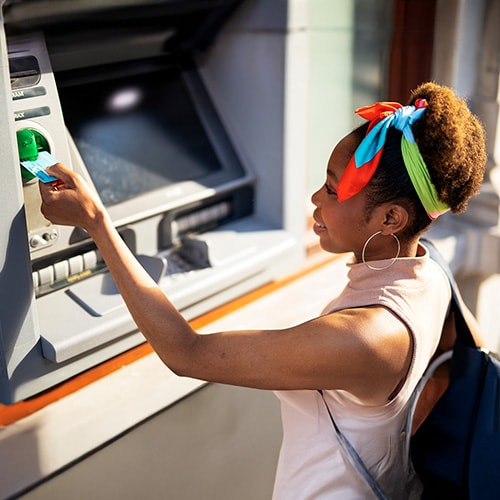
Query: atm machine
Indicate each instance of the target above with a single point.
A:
(115, 90)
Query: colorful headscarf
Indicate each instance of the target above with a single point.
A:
(366, 158)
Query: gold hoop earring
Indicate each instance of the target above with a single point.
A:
(373, 268)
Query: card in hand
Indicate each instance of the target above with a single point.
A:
(37, 167)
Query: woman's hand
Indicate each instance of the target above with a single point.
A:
(69, 201)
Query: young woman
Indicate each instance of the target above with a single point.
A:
(385, 183)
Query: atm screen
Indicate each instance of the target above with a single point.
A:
(138, 133)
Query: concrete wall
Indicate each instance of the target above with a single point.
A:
(467, 57)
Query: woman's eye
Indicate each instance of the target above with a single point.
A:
(329, 190)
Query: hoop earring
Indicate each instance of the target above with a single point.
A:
(373, 268)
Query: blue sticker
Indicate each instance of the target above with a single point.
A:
(37, 167)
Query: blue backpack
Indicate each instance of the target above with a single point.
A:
(456, 450)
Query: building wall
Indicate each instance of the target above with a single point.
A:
(349, 48)
(467, 58)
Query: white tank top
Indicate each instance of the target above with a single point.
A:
(311, 463)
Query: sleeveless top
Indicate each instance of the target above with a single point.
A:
(311, 463)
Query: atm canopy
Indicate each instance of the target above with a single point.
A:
(188, 25)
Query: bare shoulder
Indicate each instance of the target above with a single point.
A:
(375, 327)
(381, 349)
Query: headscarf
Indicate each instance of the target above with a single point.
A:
(366, 158)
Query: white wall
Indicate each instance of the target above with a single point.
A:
(466, 57)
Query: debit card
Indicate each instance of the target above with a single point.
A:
(37, 167)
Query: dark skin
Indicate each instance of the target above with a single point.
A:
(336, 351)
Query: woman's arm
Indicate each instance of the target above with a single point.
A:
(330, 352)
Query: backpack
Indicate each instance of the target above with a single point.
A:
(456, 450)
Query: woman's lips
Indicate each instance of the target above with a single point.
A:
(318, 228)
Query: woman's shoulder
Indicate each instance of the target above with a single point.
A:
(379, 349)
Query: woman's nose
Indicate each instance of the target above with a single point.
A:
(315, 199)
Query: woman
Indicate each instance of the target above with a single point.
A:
(385, 183)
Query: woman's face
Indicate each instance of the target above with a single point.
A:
(341, 227)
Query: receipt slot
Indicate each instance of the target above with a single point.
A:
(127, 106)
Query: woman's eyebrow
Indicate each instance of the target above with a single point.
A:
(330, 173)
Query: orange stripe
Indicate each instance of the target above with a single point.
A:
(11, 413)
(356, 177)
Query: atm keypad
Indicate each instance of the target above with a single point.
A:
(66, 272)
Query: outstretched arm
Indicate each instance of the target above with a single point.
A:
(330, 352)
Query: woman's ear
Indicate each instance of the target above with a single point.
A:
(396, 218)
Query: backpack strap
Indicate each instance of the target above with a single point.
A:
(457, 304)
(353, 455)
(461, 326)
